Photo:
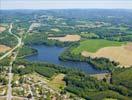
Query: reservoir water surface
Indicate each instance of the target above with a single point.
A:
(50, 54)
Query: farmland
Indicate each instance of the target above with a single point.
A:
(121, 54)
(89, 35)
(69, 38)
(94, 45)
(115, 51)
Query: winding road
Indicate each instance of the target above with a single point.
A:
(18, 45)
(14, 51)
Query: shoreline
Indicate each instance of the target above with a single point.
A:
(74, 61)
(28, 55)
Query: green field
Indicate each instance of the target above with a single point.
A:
(93, 45)
(122, 28)
(89, 35)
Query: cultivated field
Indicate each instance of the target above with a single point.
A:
(66, 38)
(4, 48)
(94, 44)
(121, 54)
(2, 29)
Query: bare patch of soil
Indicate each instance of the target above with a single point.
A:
(4, 48)
(2, 29)
(102, 76)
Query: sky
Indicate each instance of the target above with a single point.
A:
(65, 4)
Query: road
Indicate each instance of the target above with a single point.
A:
(19, 43)
(10, 74)
(32, 98)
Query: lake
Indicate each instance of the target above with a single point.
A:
(50, 54)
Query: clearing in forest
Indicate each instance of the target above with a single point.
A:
(57, 82)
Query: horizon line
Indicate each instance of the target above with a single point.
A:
(68, 9)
